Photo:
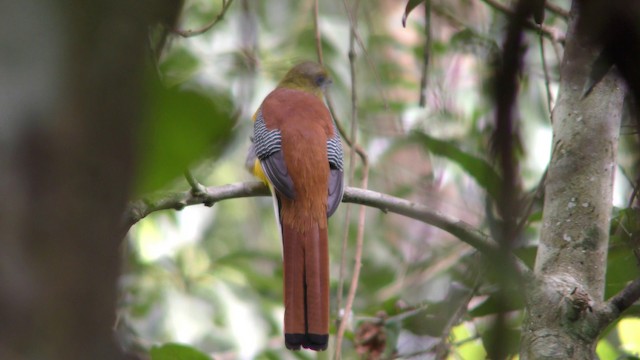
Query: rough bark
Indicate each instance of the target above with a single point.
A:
(72, 74)
(571, 260)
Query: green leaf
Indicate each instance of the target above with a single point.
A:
(606, 351)
(474, 42)
(181, 127)
(528, 255)
(629, 335)
(430, 320)
(178, 66)
(509, 342)
(433, 318)
(467, 349)
(392, 332)
(492, 306)
(623, 243)
(377, 277)
(476, 167)
(172, 351)
(411, 4)
(621, 267)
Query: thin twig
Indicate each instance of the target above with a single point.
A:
(546, 31)
(546, 73)
(196, 187)
(372, 66)
(442, 348)
(457, 344)
(361, 153)
(505, 87)
(189, 33)
(351, 176)
(426, 53)
(343, 133)
(634, 193)
(557, 10)
(356, 268)
(343, 258)
(416, 354)
(620, 302)
(361, 218)
(316, 26)
(343, 251)
(444, 13)
(359, 150)
(524, 218)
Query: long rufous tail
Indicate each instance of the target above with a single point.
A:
(306, 287)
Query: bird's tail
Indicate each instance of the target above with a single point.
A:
(306, 287)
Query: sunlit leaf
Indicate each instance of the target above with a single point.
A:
(606, 351)
(176, 352)
(629, 334)
(469, 349)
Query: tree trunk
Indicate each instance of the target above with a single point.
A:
(571, 260)
(72, 75)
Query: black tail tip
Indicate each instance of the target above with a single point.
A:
(316, 342)
(294, 341)
(313, 342)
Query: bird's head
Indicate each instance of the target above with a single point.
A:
(307, 76)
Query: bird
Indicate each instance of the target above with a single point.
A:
(296, 150)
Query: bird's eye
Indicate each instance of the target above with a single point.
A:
(320, 80)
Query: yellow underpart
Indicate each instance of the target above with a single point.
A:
(257, 172)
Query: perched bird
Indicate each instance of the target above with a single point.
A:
(297, 151)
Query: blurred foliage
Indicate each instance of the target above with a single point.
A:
(211, 278)
(182, 126)
(176, 352)
(477, 168)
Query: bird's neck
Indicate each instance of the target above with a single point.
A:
(301, 85)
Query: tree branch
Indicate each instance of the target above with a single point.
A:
(189, 33)
(388, 203)
(139, 209)
(626, 297)
(546, 31)
(619, 303)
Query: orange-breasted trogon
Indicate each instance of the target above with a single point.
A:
(297, 151)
